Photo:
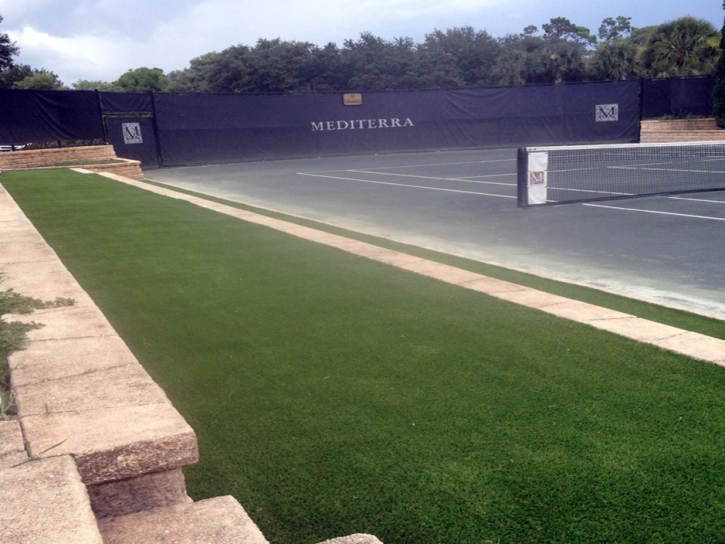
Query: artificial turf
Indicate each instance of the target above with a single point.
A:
(332, 394)
(675, 317)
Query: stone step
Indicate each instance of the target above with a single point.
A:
(44, 500)
(220, 520)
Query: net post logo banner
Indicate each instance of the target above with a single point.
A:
(537, 177)
(607, 112)
(131, 133)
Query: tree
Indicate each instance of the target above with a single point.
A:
(718, 93)
(462, 56)
(86, 85)
(195, 78)
(10, 76)
(8, 50)
(683, 47)
(613, 29)
(374, 64)
(142, 80)
(614, 58)
(563, 28)
(42, 80)
(559, 55)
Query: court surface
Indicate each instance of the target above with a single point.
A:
(667, 249)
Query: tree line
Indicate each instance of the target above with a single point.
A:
(461, 57)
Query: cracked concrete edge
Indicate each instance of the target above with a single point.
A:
(642, 330)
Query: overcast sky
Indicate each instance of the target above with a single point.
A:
(101, 39)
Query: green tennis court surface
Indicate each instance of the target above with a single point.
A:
(334, 395)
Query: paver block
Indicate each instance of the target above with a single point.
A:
(532, 298)
(144, 492)
(493, 286)
(67, 322)
(30, 249)
(119, 386)
(393, 258)
(639, 329)
(44, 501)
(221, 520)
(583, 312)
(443, 272)
(55, 359)
(44, 280)
(115, 443)
(697, 346)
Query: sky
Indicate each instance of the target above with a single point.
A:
(101, 39)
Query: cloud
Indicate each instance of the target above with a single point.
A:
(74, 57)
(101, 39)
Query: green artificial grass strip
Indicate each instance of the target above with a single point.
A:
(661, 314)
(332, 394)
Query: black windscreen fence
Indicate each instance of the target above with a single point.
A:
(48, 116)
(127, 103)
(677, 97)
(201, 128)
(164, 129)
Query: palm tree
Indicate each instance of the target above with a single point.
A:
(613, 61)
(684, 47)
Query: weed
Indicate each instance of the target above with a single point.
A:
(13, 336)
(32, 456)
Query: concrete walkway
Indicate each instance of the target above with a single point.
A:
(695, 345)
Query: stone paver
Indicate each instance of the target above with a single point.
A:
(66, 322)
(55, 359)
(44, 501)
(115, 387)
(221, 520)
(115, 443)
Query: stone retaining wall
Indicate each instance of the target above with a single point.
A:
(680, 130)
(54, 157)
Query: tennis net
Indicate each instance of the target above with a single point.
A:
(556, 175)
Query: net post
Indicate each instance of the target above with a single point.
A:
(522, 187)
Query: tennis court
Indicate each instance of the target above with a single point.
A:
(668, 249)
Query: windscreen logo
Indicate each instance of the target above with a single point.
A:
(361, 124)
(607, 112)
(131, 133)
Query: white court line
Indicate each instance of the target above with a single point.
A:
(432, 177)
(656, 212)
(696, 199)
(416, 166)
(312, 174)
(489, 176)
(664, 169)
